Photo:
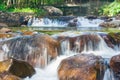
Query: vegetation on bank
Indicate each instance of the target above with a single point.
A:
(111, 9)
(51, 32)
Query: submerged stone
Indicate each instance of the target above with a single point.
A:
(81, 67)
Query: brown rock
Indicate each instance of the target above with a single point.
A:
(8, 76)
(115, 64)
(78, 43)
(6, 35)
(16, 67)
(37, 49)
(53, 11)
(81, 67)
(5, 30)
(111, 24)
(117, 17)
(3, 25)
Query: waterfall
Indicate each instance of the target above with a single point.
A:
(65, 47)
(46, 22)
(34, 49)
(108, 75)
(81, 22)
(87, 43)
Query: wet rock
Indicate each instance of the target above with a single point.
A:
(6, 35)
(117, 17)
(114, 38)
(14, 19)
(5, 30)
(8, 76)
(106, 18)
(82, 42)
(91, 17)
(115, 65)
(111, 24)
(81, 67)
(28, 33)
(17, 67)
(74, 23)
(3, 25)
(38, 49)
(53, 11)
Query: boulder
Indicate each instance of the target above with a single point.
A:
(38, 49)
(81, 67)
(117, 17)
(91, 17)
(17, 67)
(112, 39)
(5, 30)
(115, 65)
(84, 42)
(14, 19)
(3, 25)
(53, 11)
(74, 23)
(8, 76)
(6, 35)
(111, 24)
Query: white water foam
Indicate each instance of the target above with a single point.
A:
(46, 22)
(49, 72)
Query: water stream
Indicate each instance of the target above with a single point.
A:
(101, 49)
(77, 22)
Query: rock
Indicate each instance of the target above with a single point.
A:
(5, 30)
(53, 11)
(111, 24)
(81, 67)
(3, 25)
(84, 42)
(8, 76)
(38, 49)
(74, 23)
(17, 67)
(28, 33)
(115, 65)
(106, 18)
(91, 17)
(112, 39)
(14, 19)
(6, 35)
(117, 17)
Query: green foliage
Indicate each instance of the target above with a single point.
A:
(2, 7)
(111, 9)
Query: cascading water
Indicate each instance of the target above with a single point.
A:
(46, 22)
(81, 43)
(77, 22)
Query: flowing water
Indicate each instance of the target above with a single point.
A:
(93, 43)
(81, 22)
(50, 71)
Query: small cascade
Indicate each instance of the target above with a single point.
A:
(46, 22)
(108, 75)
(76, 22)
(65, 47)
(36, 49)
(87, 43)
